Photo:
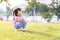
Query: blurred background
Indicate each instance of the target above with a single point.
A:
(33, 10)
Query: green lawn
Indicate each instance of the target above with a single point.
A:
(34, 31)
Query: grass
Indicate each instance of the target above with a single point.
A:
(34, 31)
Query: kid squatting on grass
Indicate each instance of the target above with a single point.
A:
(19, 21)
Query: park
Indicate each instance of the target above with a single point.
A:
(42, 19)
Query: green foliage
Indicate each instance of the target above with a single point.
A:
(56, 10)
(33, 4)
(0, 1)
(47, 15)
(9, 11)
(4, 0)
(39, 7)
(44, 8)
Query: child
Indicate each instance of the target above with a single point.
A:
(19, 20)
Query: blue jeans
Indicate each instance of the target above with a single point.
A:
(19, 25)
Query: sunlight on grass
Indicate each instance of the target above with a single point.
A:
(34, 31)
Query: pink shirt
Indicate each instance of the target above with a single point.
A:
(16, 18)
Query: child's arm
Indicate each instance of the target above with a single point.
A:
(21, 19)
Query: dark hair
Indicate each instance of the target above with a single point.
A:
(15, 12)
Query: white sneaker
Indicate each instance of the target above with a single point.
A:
(23, 29)
(16, 29)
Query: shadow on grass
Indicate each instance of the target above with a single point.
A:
(38, 33)
(43, 34)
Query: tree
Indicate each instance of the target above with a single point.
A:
(43, 9)
(47, 15)
(33, 6)
(56, 9)
(9, 11)
(46, 12)
(58, 12)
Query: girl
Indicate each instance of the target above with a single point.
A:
(19, 20)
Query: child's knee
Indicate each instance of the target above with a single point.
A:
(24, 25)
(17, 25)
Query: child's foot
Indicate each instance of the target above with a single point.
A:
(23, 30)
(16, 29)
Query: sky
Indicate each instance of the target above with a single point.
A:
(22, 3)
(45, 1)
(19, 2)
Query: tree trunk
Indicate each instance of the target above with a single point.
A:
(7, 18)
(34, 14)
(58, 19)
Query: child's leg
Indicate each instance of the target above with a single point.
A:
(17, 25)
(23, 25)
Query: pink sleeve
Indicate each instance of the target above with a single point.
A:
(15, 19)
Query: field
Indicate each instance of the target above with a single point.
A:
(34, 31)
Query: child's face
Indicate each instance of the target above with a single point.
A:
(19, 13)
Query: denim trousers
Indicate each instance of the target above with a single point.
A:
(18, 25)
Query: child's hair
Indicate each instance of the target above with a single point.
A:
(15, 12)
